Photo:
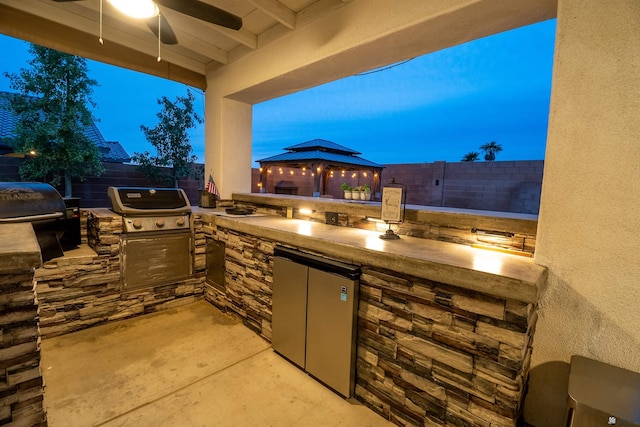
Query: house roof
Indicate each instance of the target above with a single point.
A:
(110, 151)
(320, 151)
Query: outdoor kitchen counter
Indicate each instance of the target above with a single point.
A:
(493, 273)
(19, 247)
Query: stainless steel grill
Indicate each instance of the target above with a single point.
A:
(157, 238)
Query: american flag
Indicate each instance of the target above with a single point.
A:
(212, 187)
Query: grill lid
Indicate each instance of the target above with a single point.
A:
(42, 206)
(29, 201)
(149, 201)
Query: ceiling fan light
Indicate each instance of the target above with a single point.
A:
(136, 8)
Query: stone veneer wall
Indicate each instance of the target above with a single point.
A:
(76, 292)
(428, 353)
(433, 354)
(248, 279)
(21, 384)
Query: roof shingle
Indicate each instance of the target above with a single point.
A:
(110, 151)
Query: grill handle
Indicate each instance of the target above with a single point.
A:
(33, 217)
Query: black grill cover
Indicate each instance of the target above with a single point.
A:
(41, 205)
(139, 200)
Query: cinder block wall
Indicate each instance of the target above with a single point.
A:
(510, 186)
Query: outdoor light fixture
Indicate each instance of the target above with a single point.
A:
(136, 8)
(492, 232)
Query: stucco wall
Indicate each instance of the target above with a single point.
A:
(590, 207)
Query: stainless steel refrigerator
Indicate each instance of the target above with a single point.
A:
(314, 312)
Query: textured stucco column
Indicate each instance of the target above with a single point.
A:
(590, 208)
(228, 144)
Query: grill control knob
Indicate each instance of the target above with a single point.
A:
(137, 224)
(159, 222)
(180, 221)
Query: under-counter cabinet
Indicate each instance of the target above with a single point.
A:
(315, 305)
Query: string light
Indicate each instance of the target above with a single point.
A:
(328, 172)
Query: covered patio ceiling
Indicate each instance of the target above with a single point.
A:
(74, 27)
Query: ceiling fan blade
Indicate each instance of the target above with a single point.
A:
(167, 36)
(204, 12)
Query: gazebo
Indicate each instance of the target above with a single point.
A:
(321, 157)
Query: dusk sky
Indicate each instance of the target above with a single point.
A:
(435, 107)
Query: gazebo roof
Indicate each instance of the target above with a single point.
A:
(320, 151)
(322, 145)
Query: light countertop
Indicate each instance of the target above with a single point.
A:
(19, 248)
(502, 275)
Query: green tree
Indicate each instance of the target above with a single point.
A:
(490, 149)
(471, 156)
(52, 115)
(171, 139)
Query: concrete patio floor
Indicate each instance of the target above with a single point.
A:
(186, 366)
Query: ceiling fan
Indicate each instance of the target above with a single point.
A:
(149, 11)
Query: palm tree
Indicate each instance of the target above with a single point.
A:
(471, 156)
(490, 149)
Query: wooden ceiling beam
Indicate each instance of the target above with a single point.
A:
(41, 31)
(277, 11)
(241, 36)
